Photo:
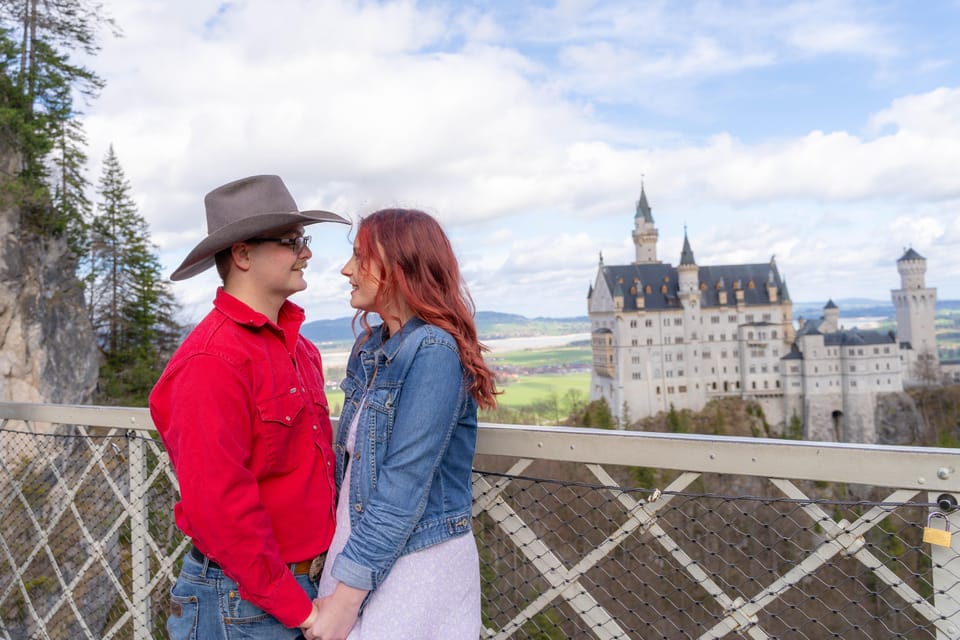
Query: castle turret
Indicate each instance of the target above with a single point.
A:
(688, 274)
(645, 233)
(915, 304)
(831, 318)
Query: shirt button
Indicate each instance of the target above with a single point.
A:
(358, 507)
(293, 390)
(314, 427)
(288, 418)
(356, 456)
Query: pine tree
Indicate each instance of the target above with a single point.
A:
(37, 107)
(130, 305)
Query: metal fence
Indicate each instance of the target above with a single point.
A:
(582, 533)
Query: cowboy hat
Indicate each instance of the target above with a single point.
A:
(241, 210)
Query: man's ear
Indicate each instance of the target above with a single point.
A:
(240, 255)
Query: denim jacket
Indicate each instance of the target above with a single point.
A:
(410, 486)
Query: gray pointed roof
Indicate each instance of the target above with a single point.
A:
(686, 256)
(643, 208)
(910, 254)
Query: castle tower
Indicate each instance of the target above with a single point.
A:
(688, 275)
(645, 233)
(914, 303)
(831, 318)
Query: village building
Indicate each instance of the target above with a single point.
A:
(667, 336)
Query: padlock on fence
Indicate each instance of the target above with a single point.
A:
(939, 537)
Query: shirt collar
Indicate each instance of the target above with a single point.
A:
(290, 316)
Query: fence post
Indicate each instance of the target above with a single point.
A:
(946, 588)
(139, 561)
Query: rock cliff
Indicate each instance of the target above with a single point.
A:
(47, 347)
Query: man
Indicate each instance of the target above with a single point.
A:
(243, 415)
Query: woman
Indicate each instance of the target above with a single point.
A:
(403, 554)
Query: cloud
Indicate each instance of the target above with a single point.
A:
(526, 130)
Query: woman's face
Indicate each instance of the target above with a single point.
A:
(364, 285)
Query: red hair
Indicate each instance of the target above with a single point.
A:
(409, 253)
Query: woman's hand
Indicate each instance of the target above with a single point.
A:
(336, 614)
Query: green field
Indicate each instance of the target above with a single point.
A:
(556, 356)
(534, 389)
(526, 390)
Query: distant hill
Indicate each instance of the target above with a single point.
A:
(494, 324)
(858, 307)
(490, 324)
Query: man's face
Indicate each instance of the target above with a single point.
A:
(277, 260)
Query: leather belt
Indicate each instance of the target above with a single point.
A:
(298, 568)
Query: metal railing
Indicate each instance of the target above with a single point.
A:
(582, 533)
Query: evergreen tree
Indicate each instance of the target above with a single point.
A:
(39, 82)
(130, 305)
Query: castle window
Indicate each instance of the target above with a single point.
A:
(648, 322)
(714, 319)
(677, 322)
(732, 318)
(679, 340)
(703, 286)
(749, 317)
(658, 391)
(663, 288)
(682, 388)
(666, 322)
(648, 289)
(666, 278)
(750, 285)
(668, 356)
(633, 324)
(636, 375)
(679, 357)
(766, 317)
(706, 355)
(723, 337)
(773, 334)
(635, 360)
(633, 342)
(680, 373)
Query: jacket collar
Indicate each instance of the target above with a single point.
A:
(391, 346)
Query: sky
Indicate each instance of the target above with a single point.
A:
(824, 133)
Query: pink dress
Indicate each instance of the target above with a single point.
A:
(431, 594)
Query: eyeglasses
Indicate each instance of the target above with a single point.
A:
(297, 245)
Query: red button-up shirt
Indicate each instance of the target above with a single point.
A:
(244, 418)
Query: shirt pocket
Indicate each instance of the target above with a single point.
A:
(278, 417)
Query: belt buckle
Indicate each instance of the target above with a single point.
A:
(316, 567)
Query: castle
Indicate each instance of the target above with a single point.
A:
(677, 337)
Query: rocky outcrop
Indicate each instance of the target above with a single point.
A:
(47, 347)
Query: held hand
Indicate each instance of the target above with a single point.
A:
(336, 614)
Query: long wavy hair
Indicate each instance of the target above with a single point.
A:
(411, 256)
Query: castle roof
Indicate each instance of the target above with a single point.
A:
(854, 337)
(910, 254)
(643, 208)
(830, 304)
(658, 283)
(686, 256)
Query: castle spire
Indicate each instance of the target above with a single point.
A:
(686, 256)
(643, 207)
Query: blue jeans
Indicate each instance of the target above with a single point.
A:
(206, 605)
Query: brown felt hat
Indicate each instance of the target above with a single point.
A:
(241, 210)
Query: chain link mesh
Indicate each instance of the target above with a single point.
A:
(89, 549)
